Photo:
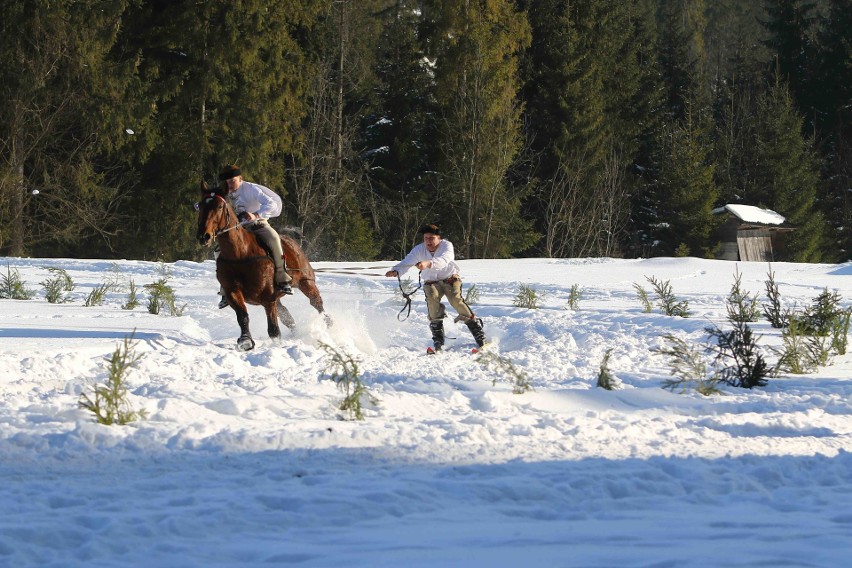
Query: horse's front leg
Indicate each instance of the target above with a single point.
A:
(272, 319)
(245, 342)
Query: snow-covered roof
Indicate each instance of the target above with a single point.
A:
(752, 214)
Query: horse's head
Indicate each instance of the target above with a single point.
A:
(213, 214)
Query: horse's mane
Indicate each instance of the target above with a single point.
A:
(216, 188)
(221, 191)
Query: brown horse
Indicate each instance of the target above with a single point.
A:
(246, 272)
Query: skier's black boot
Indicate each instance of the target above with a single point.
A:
(437, 328)
(475, 327)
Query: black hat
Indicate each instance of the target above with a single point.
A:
(229, 172)
(431, 228)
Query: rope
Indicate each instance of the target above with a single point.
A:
(407, 296)
(355, 270)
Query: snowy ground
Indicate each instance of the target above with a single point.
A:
(243, 459)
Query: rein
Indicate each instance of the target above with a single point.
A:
(407, 296)
(227, 217)
(237, 226)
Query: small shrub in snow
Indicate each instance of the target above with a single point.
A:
(795, 357)
(132, 301)
(98, 294)
(472, 295)
(57, 286)
(643, 298)
(116, 278)
(12, 287)
(804, 352)
(777, 316)
(164, 270)
(575, 294)
(343, 370)
(741, 306)
(162, 296)
(503, 366)
(666, 299)
(108, 402)
(605, 378)
(819, 317)
(820, 350)
(688, 367)
(738, 357)
(527, 297)
(840, 332)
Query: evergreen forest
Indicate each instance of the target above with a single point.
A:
(548, 128)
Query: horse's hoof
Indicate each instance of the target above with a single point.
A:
(245, 343)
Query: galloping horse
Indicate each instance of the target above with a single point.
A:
(246, 272)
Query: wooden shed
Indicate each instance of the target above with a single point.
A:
(749, 233)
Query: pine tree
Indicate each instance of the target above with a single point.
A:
(786, 173)
(228, 83)
(399, 134)
(67, 97)
(589, 97)
(687, 188)
(650, 115)
(680, 199)
(734, 52)
(791, 26)
(683, 58)
(331, 198)
(477, 46)
(737, 61)
(833, 94)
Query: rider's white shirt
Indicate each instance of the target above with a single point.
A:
(255, 198)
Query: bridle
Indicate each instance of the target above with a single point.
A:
(227, 226)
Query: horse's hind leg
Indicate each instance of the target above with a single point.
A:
(272, 318)
(309, 289)
(286, 317)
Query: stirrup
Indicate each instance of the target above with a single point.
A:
(223, 303)
(284, 287)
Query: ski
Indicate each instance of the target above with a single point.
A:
(480, 349)
(473, 350)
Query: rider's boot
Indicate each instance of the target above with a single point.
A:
(475, 327)
(282, 283)
(437, 328)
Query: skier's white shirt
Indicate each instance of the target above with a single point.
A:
(255, 198)
(443, 261)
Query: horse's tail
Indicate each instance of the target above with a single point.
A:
(297, 235)
(293, 232)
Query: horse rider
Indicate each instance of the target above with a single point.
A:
(257, 203)
(435, 258)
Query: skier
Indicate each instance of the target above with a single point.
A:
(435, 258)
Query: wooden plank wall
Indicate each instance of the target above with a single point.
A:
(755, 245)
